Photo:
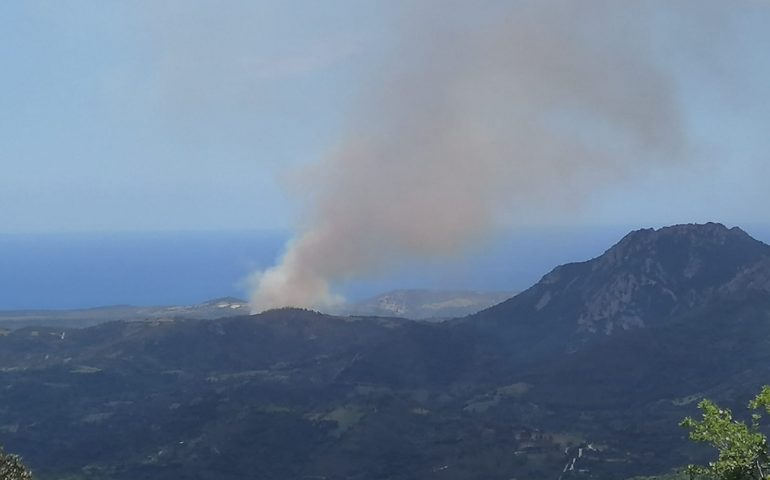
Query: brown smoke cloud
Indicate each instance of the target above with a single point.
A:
(531, 106)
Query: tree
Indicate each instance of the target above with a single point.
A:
(743, 449)
(11, 467)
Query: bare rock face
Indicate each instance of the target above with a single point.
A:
(645, 279)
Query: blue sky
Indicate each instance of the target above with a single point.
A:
(191, 115)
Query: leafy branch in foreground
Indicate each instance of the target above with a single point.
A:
(743, 449)
(11, 467)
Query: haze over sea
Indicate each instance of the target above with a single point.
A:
(62, 271)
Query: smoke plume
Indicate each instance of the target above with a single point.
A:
(496, 111)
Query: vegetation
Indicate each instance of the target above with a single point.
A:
(524, 390)
(743, 448)
(11, 467)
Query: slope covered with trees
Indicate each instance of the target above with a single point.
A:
(585, 375)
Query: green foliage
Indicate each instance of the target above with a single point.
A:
(743, 449)
(11, 467)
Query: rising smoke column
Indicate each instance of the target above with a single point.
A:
(515, 108)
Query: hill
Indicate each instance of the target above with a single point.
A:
(645, 280)
(415, 304)
(583, 375)
(422, 304)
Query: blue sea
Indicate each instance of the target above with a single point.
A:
(90, 270)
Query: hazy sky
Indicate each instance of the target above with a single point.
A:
(148, 115)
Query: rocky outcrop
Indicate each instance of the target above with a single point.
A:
(645, 279)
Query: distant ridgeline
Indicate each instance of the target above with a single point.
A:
(78, 318)
(415, 304)
(584, 375)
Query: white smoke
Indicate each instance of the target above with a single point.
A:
(531, 106)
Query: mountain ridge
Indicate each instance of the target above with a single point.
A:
(425, 304)
(647, 276)
(513, 391)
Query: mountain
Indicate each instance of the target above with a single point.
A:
(584, 375)
(422, 304)
(646, 279)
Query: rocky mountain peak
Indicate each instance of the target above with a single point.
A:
(646, 278)
(699, 238)
(704, 253)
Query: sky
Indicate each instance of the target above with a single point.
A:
(197, 115)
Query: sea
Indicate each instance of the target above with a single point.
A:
(67, 271)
